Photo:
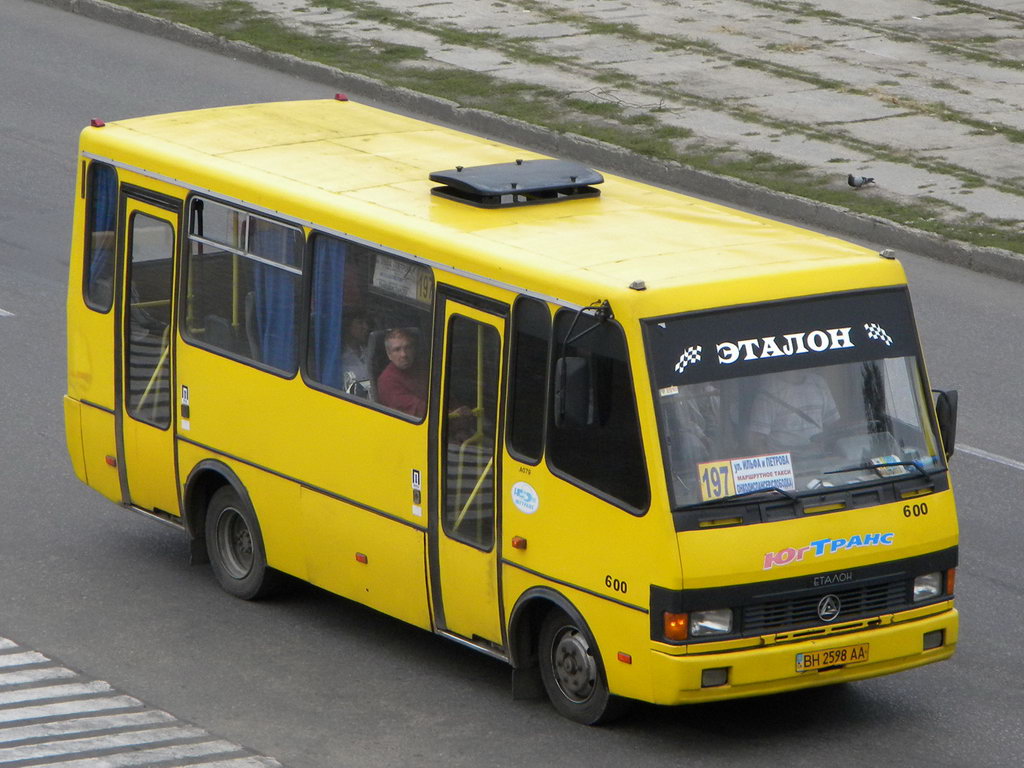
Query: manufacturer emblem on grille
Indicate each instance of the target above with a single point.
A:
(828, 608)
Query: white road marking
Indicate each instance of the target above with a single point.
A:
(80, 707)
(21, 659)
(96, 743)
(37, 675)
(53, 692)
(97, 727)
(79, 725)
(157, 755)
(5, 313)
(1012, 463)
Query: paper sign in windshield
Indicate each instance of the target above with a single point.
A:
(745, 475)
(889, 466)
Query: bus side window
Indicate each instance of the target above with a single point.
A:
(101, 224)
(603, 451)
(531, 332)
(243, 284)
(358, 298)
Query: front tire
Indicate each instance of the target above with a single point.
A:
(571, 670)
(235, 546)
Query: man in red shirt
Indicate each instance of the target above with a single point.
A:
(402, 385)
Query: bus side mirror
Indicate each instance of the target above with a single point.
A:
(573, 392)
(945, 413)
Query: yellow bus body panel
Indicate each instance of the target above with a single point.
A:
(823, 543)
(366, 557)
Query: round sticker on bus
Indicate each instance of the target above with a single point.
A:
(525, 498)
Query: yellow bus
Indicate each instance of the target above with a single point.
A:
(635, 444)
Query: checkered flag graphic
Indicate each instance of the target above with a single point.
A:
(877, 332)
(690, 356)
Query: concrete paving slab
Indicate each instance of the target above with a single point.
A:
(912, 133)
(822, 107)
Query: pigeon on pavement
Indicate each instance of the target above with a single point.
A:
(858, 181)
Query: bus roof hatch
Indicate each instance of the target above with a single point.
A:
(524, 182)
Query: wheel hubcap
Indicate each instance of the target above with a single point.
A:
(234, 540)
(574, 666)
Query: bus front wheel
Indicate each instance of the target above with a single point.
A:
(235, 546)
(572, 673)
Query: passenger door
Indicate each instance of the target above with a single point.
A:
(465, 513)
(146, 336)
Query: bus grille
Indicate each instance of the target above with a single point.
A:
(802, 611)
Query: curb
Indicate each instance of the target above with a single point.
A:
(993, 261)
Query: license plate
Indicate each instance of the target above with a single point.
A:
(831, 657)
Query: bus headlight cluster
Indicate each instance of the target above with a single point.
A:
(927, 586)
(704, 623)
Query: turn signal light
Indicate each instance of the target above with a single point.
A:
(950, 581)
(677, 626)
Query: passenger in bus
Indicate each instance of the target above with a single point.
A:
(355, 356)
(402, 385)
(789, 410)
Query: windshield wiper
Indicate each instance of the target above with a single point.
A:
(732, 497)
(869, 465)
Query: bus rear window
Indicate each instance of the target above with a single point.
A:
(101, 214)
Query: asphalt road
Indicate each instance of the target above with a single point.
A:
(318, 682)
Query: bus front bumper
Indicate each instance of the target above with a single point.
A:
(696, 677)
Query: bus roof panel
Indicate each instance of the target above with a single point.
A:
(362, 170)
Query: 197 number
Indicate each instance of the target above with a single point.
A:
(915, 510)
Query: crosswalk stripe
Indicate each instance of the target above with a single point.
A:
(156, 755)
(35, 675)
(79, 725)
(97, 743)
(80, 707)
(21, 659)
(53, 717)
(240, 762)
(53, 692)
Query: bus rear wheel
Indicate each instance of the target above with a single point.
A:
(572, 673)
(235, 547)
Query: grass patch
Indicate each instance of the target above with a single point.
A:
(616, 123)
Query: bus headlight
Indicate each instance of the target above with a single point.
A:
(927, 586)
(704, 623)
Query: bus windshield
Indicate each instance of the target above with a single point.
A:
(828, 402)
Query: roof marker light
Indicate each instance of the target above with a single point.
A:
(340, 97)
(96, 123)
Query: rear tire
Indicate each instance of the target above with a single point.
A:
(572, 673)
(235, 547)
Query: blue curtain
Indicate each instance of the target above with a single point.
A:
(275, 294)
(325, 319)
(103, 218)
